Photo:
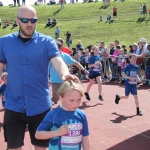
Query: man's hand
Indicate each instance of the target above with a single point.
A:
(70, 77)
(64, 129)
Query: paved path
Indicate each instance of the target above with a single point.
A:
(112, 127)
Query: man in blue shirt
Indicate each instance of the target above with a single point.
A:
(27, 55)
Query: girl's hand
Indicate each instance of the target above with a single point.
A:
(64, 129)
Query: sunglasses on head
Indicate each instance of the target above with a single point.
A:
(26, 20)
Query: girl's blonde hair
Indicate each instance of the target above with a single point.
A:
(4, 74)
(68, 86)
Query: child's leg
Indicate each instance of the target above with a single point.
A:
(91, 81)
(99, 81)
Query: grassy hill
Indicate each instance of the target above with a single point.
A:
(82, 21)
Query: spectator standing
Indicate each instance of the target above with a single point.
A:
(18, 2)
(68, 38)
(141, 10)
(64, 49)
(27, 94)
(115, 12)
(79, 45)
(62, 3)
(57, 33)
(111, 64)
(108, 17)
(23, 2)
(100, 19)
(144, 10)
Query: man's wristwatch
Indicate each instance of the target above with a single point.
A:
(83, 70)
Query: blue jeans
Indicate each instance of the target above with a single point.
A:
(68, 41)
(112, 68)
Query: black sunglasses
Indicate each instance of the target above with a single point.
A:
(26, 20)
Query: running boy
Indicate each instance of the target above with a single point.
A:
(66, 126)
(3, 88)
(131, 79)
(94, 72)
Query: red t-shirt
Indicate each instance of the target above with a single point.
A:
(66, 50)
(115, 9)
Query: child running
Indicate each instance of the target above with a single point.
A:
(94, 72)
(66, 126)
(3, 88)
(131, 79)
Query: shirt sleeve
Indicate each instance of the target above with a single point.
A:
(90, 60)
(126, 69)
(46, 124)
(85, 126)
(70, 60)
(2, 57)
(52, 49)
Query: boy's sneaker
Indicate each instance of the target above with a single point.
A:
(87, 96)
(117, 99)
(139, 113)
(101, 98)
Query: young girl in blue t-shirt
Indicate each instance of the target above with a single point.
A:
(94, 72)
(66, 126)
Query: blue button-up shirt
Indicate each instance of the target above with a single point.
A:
(27, 66)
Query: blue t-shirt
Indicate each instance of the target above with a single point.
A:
(27, 65)
(96, 69)
(82, 59)
(54, 76)
(78, 127)
(131, 71)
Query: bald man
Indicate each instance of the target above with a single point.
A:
(27, 54)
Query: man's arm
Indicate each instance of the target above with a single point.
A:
(62, 69)
(78, 65)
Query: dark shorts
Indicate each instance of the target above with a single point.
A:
(114, 13)
(92, 77)
(15, 124)
(130, 89)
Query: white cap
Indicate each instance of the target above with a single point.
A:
(143, 40)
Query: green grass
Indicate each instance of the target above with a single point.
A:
(82, 21)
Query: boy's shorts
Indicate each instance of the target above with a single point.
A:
(55, 96)
(130, 89)
(15, 124)
(92, 77)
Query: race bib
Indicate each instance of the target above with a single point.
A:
(134, 75)
(73, 139)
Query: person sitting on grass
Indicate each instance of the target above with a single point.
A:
(14, 24)
(131, 79)
(54, 22)
(108, 17)
(6, 24)
(49, 22)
